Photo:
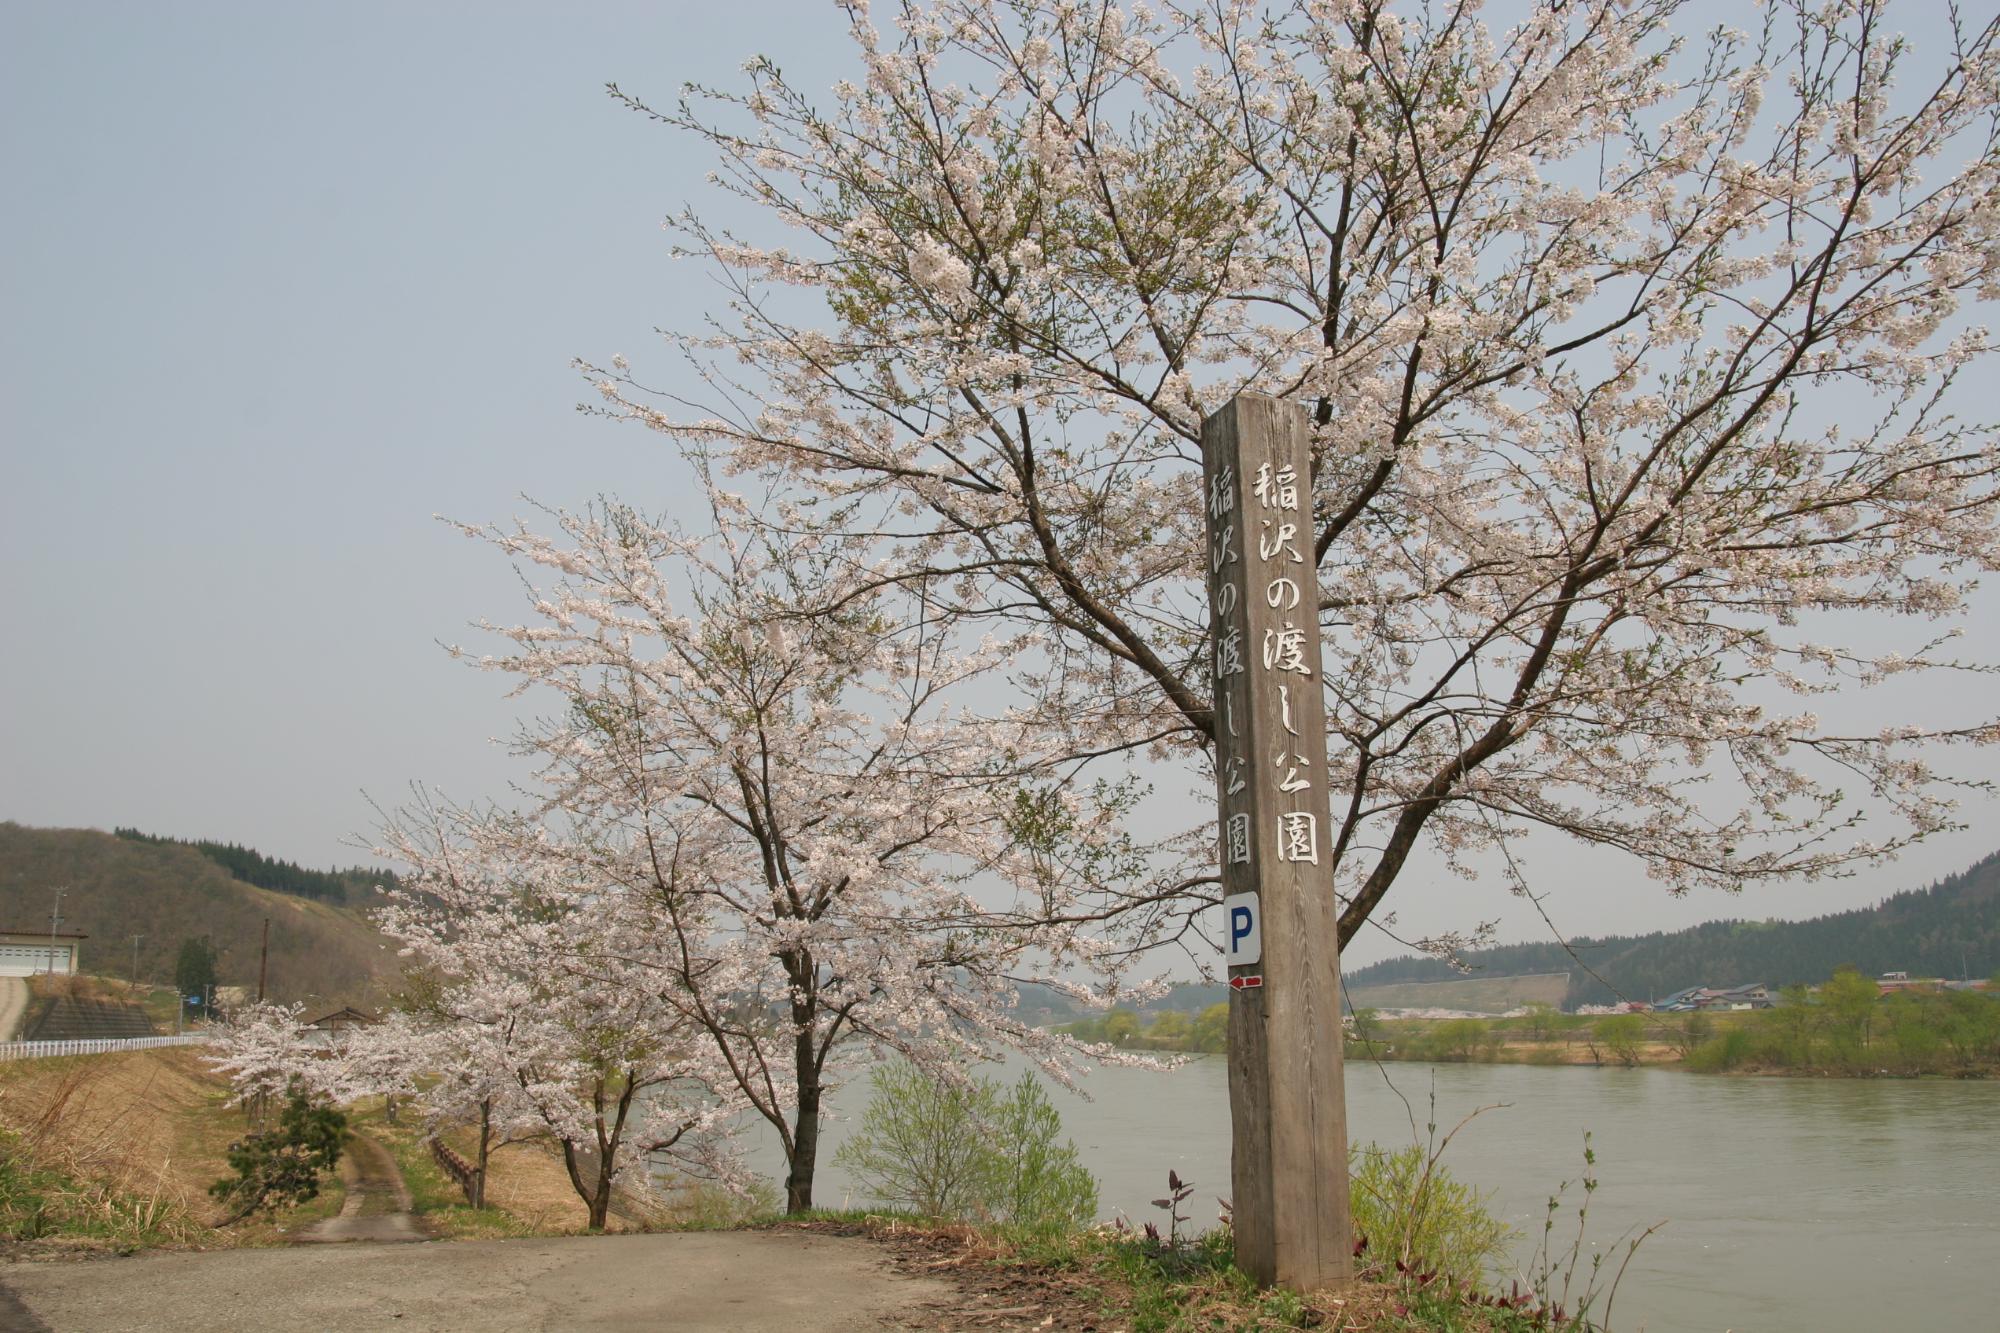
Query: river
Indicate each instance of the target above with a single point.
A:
(1821, 1205)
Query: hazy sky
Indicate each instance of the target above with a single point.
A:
(279, 283)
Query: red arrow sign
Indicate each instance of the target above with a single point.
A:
(1250, 981)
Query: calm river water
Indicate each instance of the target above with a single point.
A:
(1826, 1205)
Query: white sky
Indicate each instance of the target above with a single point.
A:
(281, 282)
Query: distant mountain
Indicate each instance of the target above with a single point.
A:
(170, 892)
(1042, 1007)
(1950, 929)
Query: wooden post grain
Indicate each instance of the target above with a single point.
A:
(1286, 1098)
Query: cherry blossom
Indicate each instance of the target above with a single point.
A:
(1636, 355)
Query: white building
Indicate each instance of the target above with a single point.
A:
(27, 953)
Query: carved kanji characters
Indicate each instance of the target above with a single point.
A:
(1285, 649)
(1298, 836)
(1276, 490)
(1281, 542)
(1236, 839)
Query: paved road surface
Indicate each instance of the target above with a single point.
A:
(690, 1282)
(13, 1005)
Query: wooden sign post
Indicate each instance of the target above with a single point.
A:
(1287, 1104)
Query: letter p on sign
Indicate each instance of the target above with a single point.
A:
(1243, 931)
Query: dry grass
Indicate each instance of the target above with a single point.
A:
(527, 1180)
(1577, 1050)
(145, 1132)
(120, 1147)
(148, 1121)
(1491, 995)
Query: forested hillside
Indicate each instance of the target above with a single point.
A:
(253, 867)
(1950, 929)
(168, 893)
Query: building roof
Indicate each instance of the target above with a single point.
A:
(346, 1011)
(34, 933)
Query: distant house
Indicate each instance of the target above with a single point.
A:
(29, 953)
(1753, 995)
(328, 1029)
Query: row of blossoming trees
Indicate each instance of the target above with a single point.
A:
(1636, 353)
(766, 826)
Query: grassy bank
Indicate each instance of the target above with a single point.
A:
(116, 1152)
(1843, 1029)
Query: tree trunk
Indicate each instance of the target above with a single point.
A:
(485, 1139)
(805, 1150)
(600, 1203)
(804, 1159)
(574, 1162)
(805, 1128)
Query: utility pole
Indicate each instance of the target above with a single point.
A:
(1287, 1102)
(55, 923)
(135, 961)
(263, 959)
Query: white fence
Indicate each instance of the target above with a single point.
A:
(35, 1050)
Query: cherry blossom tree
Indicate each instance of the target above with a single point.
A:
(1636, 356)
(792, 838)
(531, 1016)
(261, 1049)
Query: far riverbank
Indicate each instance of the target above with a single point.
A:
(1845, 1028)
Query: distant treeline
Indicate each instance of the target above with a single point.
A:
(253, 867)
(1044, 1006)
(1844, 1026)
(1205, 1030)
(1950, 929)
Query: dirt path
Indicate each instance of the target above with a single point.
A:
(691, 1282)
(13, 1005)
(378, 1203)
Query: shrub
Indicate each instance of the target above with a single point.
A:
(1541, 1021)
(1036, 1181)
(919, 1144)
(1411, 1209)
(1621, 1035)
(968, 1151)
(1727, 1051)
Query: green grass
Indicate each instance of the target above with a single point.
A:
(436, 1198)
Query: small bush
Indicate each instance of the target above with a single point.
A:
(968, 1151)
(1621, 1035)
(1725, 1052)
(1410, 1209)
(1036, 1182)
